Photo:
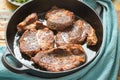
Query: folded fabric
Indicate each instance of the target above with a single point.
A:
(106, 64)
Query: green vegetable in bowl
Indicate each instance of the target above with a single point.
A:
(20, 1)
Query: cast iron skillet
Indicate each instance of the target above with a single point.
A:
(23, 65)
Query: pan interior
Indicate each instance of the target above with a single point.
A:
(91, 52)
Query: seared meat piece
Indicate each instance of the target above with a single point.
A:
(61, 58)
(91, 38)
(45, 38)
(30, 22)
(77, 34)
(59, 19)
(27, 21)
(33, 41)
(35, 25)
(28, 43)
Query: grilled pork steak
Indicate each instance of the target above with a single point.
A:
(30, 22)
(77, 34)
(60, 59)
(59, 19)
(32, 41)
(91, 38)
(45, 38)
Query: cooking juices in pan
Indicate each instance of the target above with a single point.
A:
(62, 42)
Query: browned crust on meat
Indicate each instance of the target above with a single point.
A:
(74, 35)
(61, 58)
(33, 41)
(91, 38)
(27, 21)
(30, 22)
(89, 32)
(26, 44)
(46, 40)
(59, 19)
(78, 34)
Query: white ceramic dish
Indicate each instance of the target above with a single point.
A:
(16, 3)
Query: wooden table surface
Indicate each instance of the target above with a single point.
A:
(6, 10)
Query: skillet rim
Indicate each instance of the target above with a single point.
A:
(76, 68)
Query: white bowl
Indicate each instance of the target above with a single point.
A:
(16, 3)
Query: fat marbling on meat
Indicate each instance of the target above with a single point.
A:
(59, 19)
(33, 41)
(30, 22)
(62, 58)
(78, 33)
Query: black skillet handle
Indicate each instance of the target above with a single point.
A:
(18, 68)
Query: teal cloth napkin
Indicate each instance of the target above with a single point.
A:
(106, 64)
